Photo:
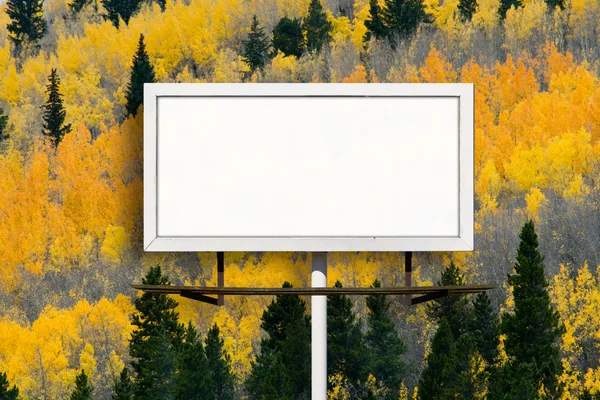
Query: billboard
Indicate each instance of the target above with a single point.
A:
(308, 167)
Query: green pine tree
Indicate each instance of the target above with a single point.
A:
(142, 72)
(384, 345)
(219, 366)
(402, 17)
(505, 5)
(552, 4)
(3, 126)
(6, 392)
(471, 376)
(316, 27)
(466, 9)
(155, 341)
(345, 343)
(77, 5)
(27, 23)
(282, 369)
(533, 330)
(54, 111)
(120, 9)
(288, 37)
(485, 328)
(454, 308)
(374, 23)
(437, 378)
(193, 379)
(256, 47)
(83, 389)
(123, 388)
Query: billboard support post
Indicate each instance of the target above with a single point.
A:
(319, 328)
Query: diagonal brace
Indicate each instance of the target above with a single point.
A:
(199, 297)
(430, 296)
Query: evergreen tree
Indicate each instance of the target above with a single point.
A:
(3, 126)
(402, 17)
(155, 340)
(142, 72)
(454, 307)
(469, 370)
(77, 5)
(384, 345)
(27, 24)
(485, 328)
(282, 369)
(120, 9)
(83, 389)
(193, 380)
(374, 22)
(466, 9)
(552, 4)
(54, 111)
(123, 389)
(219, 366)
(6, 392)
(505, 5)
(345, 344)
(256, 47)
(440, 372)
(316, 27)
(288, 37)
(533, 330)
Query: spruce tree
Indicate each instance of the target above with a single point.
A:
(256, 47)
(120, 9)
(485, 328)
(155, 340)
(193, 380)
(374, 23)
(3, 126)
(466, 9)
(552, 4)
(142, 72)
(77, 5)
(27, 23)
(345, 343)
(440, 371)
(505, 5)
(470, 375)
(83, 389)
(533, 330)
(288, 37)
(282, 369)
(384, 345)
(219, 366)
(6, 392)
(54, 111)
(454, 307)
(316, 27)
(402, 17)
(123, 388)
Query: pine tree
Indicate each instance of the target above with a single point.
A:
(402, 17)
(469, 370)
(374, 23)
(345, 343)
(54, 111)
(454, 308)
(77, 5)
(142, 72)
(219, 366)
(155, 341)
(552, 4)
(485, 328)
(466, 9)
(282, 369)
(316, 27)
(384, 345)
(27, 23)
(3, 126)
(505, 5)
(256, 47)
(6, 392)
(441, 365)
(123, 388)
(533, 330)
(288, 37)
(83, 389)
(193, 379)
(120, 9)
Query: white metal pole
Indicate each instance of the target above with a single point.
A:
(319, 328)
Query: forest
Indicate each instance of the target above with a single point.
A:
(71, 78)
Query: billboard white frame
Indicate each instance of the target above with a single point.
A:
(463, 241)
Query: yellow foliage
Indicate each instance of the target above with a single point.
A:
(116, 241)
(437, 69)
(535, 200)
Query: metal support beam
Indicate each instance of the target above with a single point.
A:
(430, 296)
(408, 274)
(199, 297)
(220, 276)
(319, 328)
